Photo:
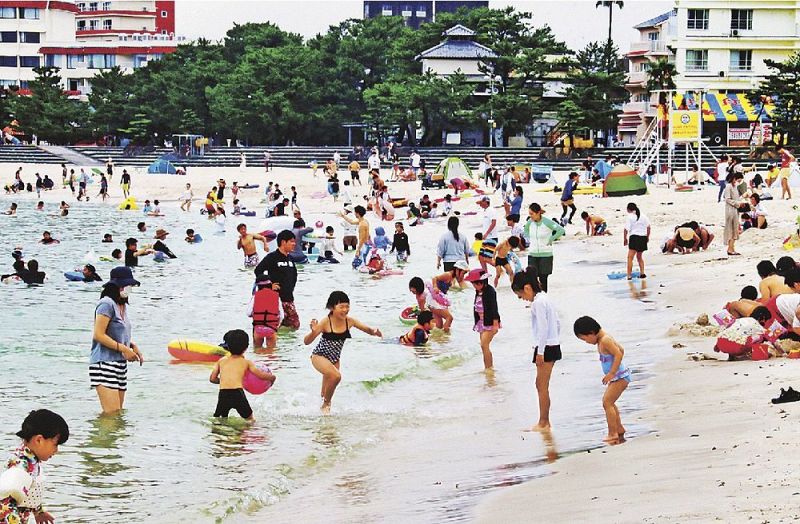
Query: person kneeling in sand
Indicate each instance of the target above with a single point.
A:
(595, 225)
(746, 303)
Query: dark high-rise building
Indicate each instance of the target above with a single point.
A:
(419, 12)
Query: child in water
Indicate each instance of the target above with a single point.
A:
(329, 248)
(229, 373)
(335, 329)
(20, 487)
(485, 313)
(419, 334)
(616, 375)
(433, 300)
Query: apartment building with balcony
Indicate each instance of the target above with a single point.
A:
(651, 47)
(718, 47)
(82, 38)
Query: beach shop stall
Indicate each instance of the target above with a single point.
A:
(731, 119)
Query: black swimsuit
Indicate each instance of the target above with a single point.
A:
(331, 344)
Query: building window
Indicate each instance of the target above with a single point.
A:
(164, 14)
(75, 84)
(29, 37)
(74, 61)
(8, 36)
(742, 19)
(8, 61)
(698, 19)
(106, 6)
(29, 61)
(386, 10)
(644, 66)
(8, 12)
(93, 25)
(139, 61)
(405, 11)
(742, 60)
(92, 6)
(81, 25)
(81, 6)
(29, 13)
(107, 24)
(697, 59)
(653, 36)
(50, 60)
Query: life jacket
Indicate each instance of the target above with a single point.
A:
(266, 309)
(408, 338)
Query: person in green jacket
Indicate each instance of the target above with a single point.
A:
(541, 232)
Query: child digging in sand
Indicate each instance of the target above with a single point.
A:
(616, 377)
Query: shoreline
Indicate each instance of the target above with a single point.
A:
(718, 450)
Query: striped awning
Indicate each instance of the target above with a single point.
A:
(725, 107)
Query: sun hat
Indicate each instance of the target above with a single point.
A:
(161, 233)
(484, 199)
(121, 277)
(476, 274)
(461, 264)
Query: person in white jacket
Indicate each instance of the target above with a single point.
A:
(546, 337)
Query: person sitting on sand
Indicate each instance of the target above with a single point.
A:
(595, 225)
(746, 303)
(771, 283)
(757, 213)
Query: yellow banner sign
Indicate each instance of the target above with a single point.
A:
(685, 125)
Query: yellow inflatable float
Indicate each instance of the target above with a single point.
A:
(128, 204)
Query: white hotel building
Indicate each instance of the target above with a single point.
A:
(81, 38)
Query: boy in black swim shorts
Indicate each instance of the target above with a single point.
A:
(229, 373)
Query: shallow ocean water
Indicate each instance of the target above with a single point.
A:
(415, 435)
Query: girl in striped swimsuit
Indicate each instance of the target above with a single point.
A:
(334, 330)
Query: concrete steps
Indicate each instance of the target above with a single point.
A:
(27, 155)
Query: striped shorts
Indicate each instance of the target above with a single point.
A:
(112, 375)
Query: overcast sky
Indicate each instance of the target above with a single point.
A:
(574, 22)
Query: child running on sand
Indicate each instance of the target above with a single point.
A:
(229, 373)
(595, 225)
(335, 329)
(247, 243)
(616, 375)
(419, 334)
(433, 300)
(20, 484)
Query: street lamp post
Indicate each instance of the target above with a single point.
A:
(492, 80)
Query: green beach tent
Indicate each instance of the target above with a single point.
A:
(452, 167)
(623, 181)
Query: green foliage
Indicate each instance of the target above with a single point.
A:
(596, 92)
(109, 102)
(47, 112)
(783, 86)
(661, 76)
(139, 129)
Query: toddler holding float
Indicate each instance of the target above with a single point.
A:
(229, 372)
(616, 375)
(20, 484)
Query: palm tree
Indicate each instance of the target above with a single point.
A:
(610, 5)
(661, 77)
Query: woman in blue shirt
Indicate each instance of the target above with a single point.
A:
(112, 348)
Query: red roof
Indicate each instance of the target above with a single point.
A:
(41, 4)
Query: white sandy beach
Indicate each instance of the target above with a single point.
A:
(719, 450)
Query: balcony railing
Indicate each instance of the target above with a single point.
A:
(649, 46)
(637, 77)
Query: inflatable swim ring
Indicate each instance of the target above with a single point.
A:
(254, 385)
(130, 201)
(249, 186)
(409, 315)
(107, 259)
(684, 189)
(399, 202)
(195, 351)
(75, 276)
